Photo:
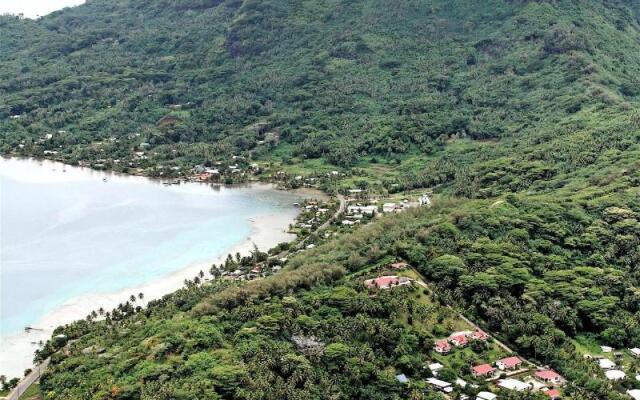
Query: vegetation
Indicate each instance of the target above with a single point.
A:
(522, 116)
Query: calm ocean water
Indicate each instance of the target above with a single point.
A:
(64, 234)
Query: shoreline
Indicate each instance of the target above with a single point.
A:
(267, 230)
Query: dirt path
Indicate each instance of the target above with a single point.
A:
(473, 324)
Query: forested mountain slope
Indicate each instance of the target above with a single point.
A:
(344, 81)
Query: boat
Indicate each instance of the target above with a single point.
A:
(104, 179)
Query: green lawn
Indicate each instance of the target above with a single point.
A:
(588, 344)
(33, 393)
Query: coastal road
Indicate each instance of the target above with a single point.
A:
(28, 380)
(341, 208)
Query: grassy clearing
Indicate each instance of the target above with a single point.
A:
(33, 393)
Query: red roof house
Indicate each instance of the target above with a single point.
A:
(509, 363)
(479, 335)
(386, 282)
(553, 394)
(399, 265)
(459, 340)
(482, 370)
(549, 376)
(442, 346)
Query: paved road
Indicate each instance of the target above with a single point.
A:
(341, 208)
(27, 381)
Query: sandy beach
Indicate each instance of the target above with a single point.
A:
(16, 351)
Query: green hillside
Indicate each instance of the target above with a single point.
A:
(343, 81)
(522, 117)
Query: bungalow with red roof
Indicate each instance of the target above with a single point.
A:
(509, 363)
(399, 265)
(549, 376)
(459, 340)
(479, 335)
(482, 370)
(387, 282)
(554, 394)
(442, 346)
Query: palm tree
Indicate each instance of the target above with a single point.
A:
(141, 295)
(132, 298)
(101, 311)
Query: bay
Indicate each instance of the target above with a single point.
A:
(71, 236)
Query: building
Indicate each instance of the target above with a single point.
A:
(367, 210)
(549, 376)
(479, 335)
(402, 378)
(388, 207)
(442, 346)
(482, 370)
(605, 363)
(606, 349)
(554, 394)
(635, 352)
(634, 394)
(459, 340)
(486, 396)
(509, 363)
(514, 384)
(435, 367)
(399, 265)
(615, 375)
(443, 386)
(387, 282)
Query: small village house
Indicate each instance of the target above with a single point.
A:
(443, 386)
(482, 370)
(435, 367)
(635, 352)
(479, 335)
(387, 282)
(605, 363)
(514, 384)
(615, 375)
(442, 346)
(459, 340)
(549, 376)
(388, 207)
(366, 210)
(634, 394)
(509, 363)
(399, 265)
(554, 394)
(486, 396)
